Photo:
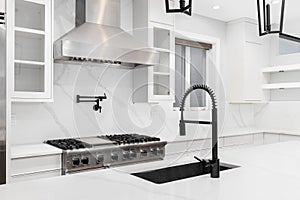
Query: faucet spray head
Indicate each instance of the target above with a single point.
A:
(182, 128)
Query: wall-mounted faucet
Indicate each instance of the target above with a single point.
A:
(214, 163)
(95, 99)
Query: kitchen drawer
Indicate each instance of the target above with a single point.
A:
(35, 164)
(238, 140)
(286, 138)
(36, 175)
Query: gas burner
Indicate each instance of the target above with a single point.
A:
(129, 138)
(68, 144)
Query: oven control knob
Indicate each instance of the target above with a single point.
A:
(144, 152)
(132, 154)
(126, 155)
(100, 159)
(85, 160)
(160, 150)
(153, 151)
(114, 157)
(76, 161)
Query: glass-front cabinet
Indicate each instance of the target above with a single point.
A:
(31, 50)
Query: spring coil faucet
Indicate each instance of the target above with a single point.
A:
(214, 163)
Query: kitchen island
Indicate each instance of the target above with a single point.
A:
(266, 172)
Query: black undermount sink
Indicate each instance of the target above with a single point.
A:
(179, 172)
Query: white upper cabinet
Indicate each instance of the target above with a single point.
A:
(31, 48)
(157, 12)
(247, 56)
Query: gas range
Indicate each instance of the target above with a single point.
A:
(104, 151)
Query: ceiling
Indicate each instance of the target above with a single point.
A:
(229, 9)
(234, 9)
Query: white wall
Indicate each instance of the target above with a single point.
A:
(36, 122)
(283, 113)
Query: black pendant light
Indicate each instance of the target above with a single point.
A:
(183, 8)
(265, 23)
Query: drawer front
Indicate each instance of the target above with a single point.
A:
(238, 140)
(35, 164)
(34, 176)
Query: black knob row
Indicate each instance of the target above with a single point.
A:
(77, 161)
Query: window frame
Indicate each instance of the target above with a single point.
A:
(212, 54)
(187, 81)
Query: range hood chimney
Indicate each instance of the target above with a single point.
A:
(98, 37)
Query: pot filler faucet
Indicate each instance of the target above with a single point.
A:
(214, 163)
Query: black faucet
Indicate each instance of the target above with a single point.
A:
(214, 163)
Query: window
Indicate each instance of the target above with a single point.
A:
(190, 69)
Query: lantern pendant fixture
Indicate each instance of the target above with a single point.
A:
(186, 9)
(267, 27)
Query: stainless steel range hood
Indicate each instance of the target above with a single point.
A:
(99, 38)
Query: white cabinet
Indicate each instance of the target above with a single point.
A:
(30, 36)
(155, 83)
(155, 28)
(35, 167)
(247, 56)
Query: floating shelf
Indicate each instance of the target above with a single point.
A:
(162, 73)
(28, 30)
(275, 86)
(27, 62)
(283, 68)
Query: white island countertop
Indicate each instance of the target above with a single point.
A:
(269, 172)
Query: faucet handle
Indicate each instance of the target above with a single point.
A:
(200, 160)
(205, 163)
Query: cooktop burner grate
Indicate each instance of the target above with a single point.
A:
(129, 138)
(68, 144)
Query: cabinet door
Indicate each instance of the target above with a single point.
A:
(32, 48)
(160, 79)
(158, 12)
(253, 78)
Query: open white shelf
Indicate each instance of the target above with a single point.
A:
(27, 62)
(162, 73)
(283, 68)
(274, 86)
(29, 30)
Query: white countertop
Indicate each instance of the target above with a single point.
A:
(267, 172)
(21, 151)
